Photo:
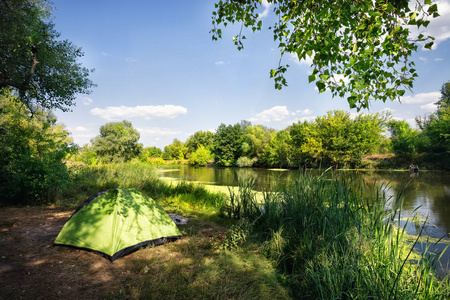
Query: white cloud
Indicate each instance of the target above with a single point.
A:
(157, 132)
(294, 58)
(148, 112)
(303, 112)
(438, 59)
(219, 63)
(429, 107)
(81, 129)
(130, 60)
(421, 98)
(87, 100)
(105, 54)
(267, 6)
(276, 113)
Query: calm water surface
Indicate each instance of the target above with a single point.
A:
(426, 193)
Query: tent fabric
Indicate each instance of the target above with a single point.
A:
(116, 222)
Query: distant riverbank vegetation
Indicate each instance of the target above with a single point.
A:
(337, 139)
(34, 150)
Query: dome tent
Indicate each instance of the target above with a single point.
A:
(116, 222)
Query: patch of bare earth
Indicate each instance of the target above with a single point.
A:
(32, 268)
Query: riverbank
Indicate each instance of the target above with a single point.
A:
(319, 238)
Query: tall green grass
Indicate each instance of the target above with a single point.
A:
(331, 238)
(89, 180)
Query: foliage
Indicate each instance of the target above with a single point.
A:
(236, 235)
(31, 153)
(117, 142)
(306, 143)
(404, 138)
(200, 138)
(331, 238)
(358, 49)
(244, 161)
(227, 144)
(177, 150)
(201, 157)
(149, 152)
(86, 155)
(444, 101)
(435, 136)
(43, 70)
(345, 141)
(278, 151)
(256, 139)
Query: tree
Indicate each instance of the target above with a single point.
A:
(227, 144)
(404, 138)
(150, 152)
(278, 152)
(177, 150)
(444, 101)
(41, 69)
(117, 142)
(359, 49)
(200, 138)
(201, 157)
(31, 153)
(256, 139)
(435, 127)
(306, 143)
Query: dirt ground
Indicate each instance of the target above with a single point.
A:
(32, 268)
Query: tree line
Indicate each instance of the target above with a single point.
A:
(335, 139)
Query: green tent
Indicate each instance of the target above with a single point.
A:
(116, 222)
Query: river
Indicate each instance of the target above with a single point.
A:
(426, 193)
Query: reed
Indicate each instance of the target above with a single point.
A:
(333, 239)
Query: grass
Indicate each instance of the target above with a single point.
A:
(319, 237)
(333, 239)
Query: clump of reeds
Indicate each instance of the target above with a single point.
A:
(334, 239)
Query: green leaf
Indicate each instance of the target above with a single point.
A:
(428, 45)
(273, 73)
(321, 86)
(312, 77)
(432, 9)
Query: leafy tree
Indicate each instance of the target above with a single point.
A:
(359, 49)
(444, 101)
(201, 157)
(177, 150)
(86, 155)
(227, 144)
(150, 152)
(200, 138)
(404, 138)
(256, 139)
(42, 69)
(435, 127)
(117, 142)
(306, 143)
(278, 152)
(31, 153)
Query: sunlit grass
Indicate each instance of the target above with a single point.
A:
(195, 268)
(317, 237)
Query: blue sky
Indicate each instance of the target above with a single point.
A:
(157, 67)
